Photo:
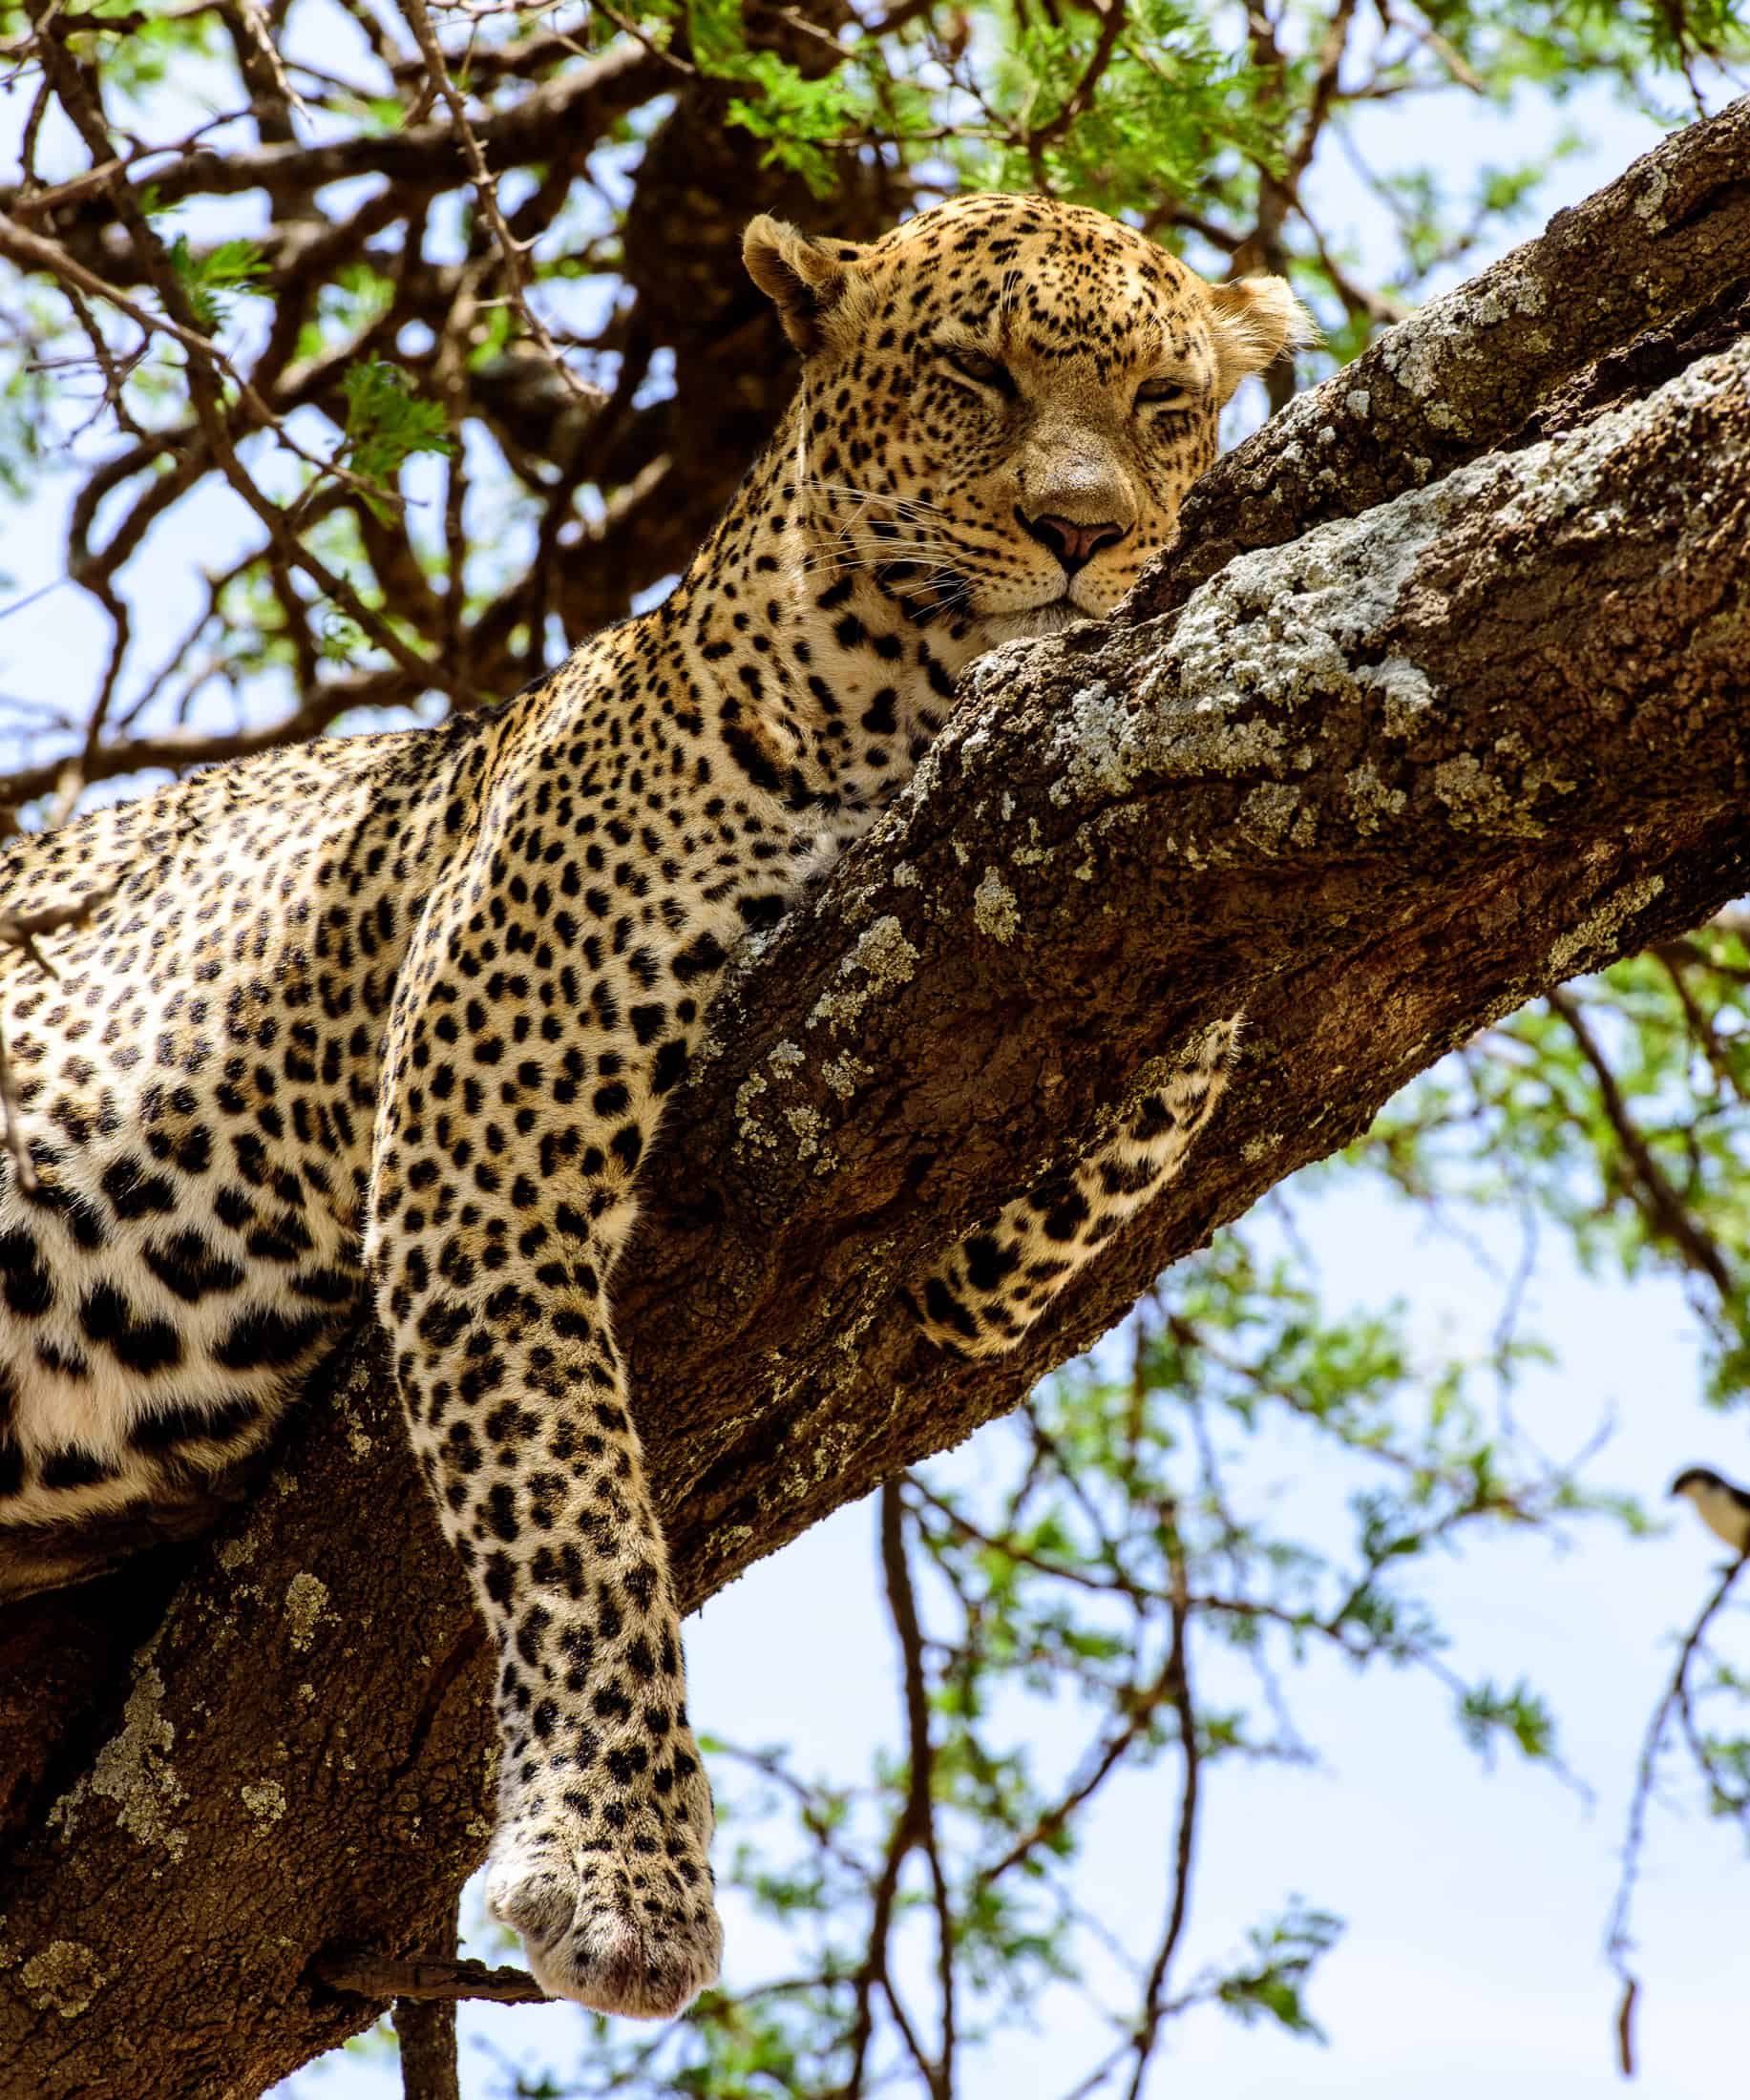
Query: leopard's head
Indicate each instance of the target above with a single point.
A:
(1004, 400)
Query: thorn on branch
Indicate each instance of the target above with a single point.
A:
(486, 190)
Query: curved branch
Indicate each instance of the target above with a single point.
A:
(1667, 1214)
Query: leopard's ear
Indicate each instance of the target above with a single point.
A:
(1253, 320)
(804, 277)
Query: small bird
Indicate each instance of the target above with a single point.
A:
(1724, 1508)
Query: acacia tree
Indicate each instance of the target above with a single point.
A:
(1400, 738)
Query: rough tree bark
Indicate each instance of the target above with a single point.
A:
(1375, 782)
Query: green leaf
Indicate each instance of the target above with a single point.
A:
(232, 266)
(387, 423)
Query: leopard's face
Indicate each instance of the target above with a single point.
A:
(1004, 401)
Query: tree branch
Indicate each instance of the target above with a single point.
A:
(1470, 368)
(1619, 1940)
(1185, 1834)
(425, 2027)
(486, 192)
(564, 115)
(419, 1983)
(1668, 1215)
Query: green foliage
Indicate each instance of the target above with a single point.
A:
(802, 117)
(1119, 1552)
(351, 303)
(207, 276)
(1283, 1954)
(26, 394)
(1169, 111)
(149, 48)
(387, 424)
(1628, 1128)
(1518, 1714)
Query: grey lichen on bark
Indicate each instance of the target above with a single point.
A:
(1473, 368)
(1374, 782)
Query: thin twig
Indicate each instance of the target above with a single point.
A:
(30, 251)
(486, 189)
(914, 1827)
(1617, 1943)
(1673, 955)
(36, 203)
(1668, 1212)
(1143, 1703)
(1155, 1993)
(1111, 14)
(1331, 48)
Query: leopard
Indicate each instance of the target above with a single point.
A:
(385, 1024)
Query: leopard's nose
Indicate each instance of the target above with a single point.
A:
(1074, 545)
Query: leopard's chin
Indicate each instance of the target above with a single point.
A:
(1032, 622)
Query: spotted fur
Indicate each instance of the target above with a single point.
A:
(394, 1019)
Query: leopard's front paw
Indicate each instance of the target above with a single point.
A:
(614, 1928)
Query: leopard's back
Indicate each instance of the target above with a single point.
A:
(193, 1087)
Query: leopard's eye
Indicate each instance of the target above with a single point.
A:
(1163, 393)
(982, 370)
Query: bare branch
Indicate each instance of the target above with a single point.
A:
(914, 1827)
(372, 1976)
(1185, 1835)
(1618, 1943)
(573, 109)
(32, 252)
(1112, 15)
(1668, 1215)
(486, 190)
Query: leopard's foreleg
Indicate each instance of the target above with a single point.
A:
(501, 1192)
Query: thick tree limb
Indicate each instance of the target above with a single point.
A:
(1472, 369)
(1377, 785)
